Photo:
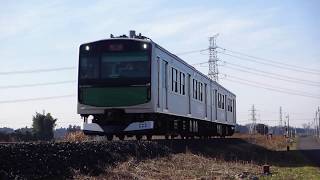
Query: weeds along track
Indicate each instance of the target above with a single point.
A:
(60, 160)
(48, 159)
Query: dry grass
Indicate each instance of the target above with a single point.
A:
(272, 143)
(179, 166)
(77, 136)
(194, 166)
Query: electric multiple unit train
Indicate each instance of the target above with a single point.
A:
(131, 86)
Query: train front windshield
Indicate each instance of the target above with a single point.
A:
(115, 63)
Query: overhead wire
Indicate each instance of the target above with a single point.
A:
(183, 53)
(269, 64)
(269, 75)
(268, 85)
(38, 84)
(266, 74)
(36, 99)
(270, 60)
(37, 70)
(272, 89)
(191, 52)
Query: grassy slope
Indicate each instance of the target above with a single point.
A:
(307, 172)
(195, 165)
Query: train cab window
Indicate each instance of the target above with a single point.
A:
(89, 68)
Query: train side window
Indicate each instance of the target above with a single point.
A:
(174, 80)
(222, 102)
(180, 82)
(193, 88)
(219, 100)
(172, 77)
(183, 84)
(229, 105)
(201, 92)
(196, 88)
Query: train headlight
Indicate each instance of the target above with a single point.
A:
(145, 46)
(87, 48)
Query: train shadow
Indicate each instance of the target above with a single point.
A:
(234, 149)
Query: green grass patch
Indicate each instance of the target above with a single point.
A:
(299, 173)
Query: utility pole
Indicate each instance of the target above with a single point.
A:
(318, 121)
(253, 119)
(288, 128)
(316, 124)
(280, 121)
(213, 59)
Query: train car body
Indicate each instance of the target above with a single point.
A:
(133, 86)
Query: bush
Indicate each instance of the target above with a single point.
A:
(76, 136)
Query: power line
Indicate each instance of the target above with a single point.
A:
(37, 84)
(36, 99)
(271, 89)
(269, 64)
(191, 52)
(276, 120)
(269, 60)
(269, 75)
(267, 85)
(285, 89)
(37, 70)
(73, 67)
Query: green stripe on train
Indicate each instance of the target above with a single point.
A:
(113, 96)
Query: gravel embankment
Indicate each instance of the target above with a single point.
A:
(310, 147)
(59, 160)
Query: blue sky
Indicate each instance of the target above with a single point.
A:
(47, 34)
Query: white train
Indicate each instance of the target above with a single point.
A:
(131, 86)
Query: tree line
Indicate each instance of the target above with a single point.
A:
(43, 125)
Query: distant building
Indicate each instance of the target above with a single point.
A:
(262, 129)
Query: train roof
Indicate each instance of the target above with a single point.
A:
(190, 66)
(148, 40)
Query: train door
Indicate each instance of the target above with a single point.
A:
(165, 84)
(189, 93)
